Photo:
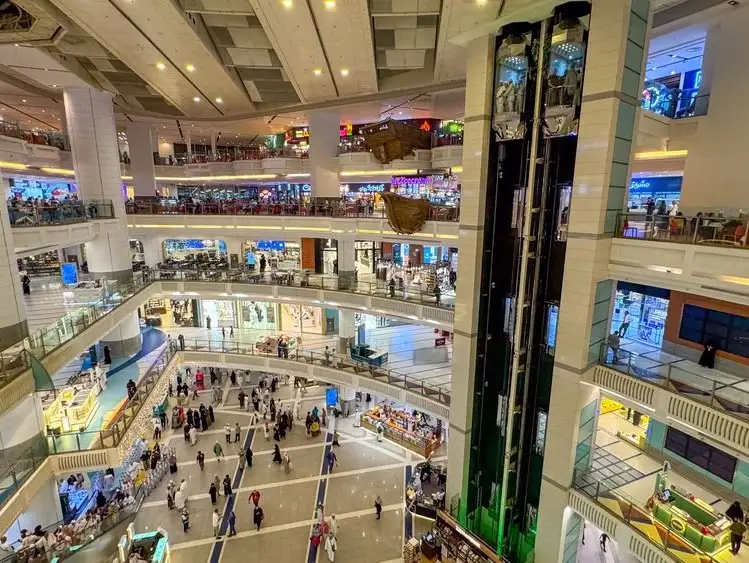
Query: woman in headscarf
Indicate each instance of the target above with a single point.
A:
(277, 455)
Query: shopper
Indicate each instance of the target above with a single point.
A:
(378, 506)
(266, 432)
(277, 455)
(216, 519)
(232, 520)
(208, 322)
(254, 497)
(603, 538)
(185, 517)
(707, 358)
(391, 288)
(241, 397)
(227, 433)
(333, 525)
(335, 439)
(331, 544)
(201, 460)
(227, 486)
(257, 516)
(735, 512)
(738, 529)
(237, 432)
(332, 461)
(614, 340)
(6, 550)
(223, 333)
(327, 356)
(625, 324)
(248, 457)
(231, 332)
(217, 483)
(218, 451)
(286, 463)
(214, 493)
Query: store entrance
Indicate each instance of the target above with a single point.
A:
(640, 313)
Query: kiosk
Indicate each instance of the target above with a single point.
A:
(363, 353)
(406, 430)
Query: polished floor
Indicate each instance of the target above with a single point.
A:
(365, 469)
(630, 473)
(720, 389)
(399, 341)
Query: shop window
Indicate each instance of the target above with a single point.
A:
(727, 331)
(701, 454)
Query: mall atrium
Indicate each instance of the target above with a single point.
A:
(249, 243)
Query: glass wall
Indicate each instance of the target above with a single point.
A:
(301, 318)
(640, 313)
(257, 315)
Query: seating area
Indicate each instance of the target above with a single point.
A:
(708, 228)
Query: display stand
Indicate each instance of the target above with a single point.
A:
(394, 425)
(460, 546)
(70, 409)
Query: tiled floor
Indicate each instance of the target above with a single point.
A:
(366, 468)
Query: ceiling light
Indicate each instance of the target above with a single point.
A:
(330, 4)
(196, 99)
(219, 101)
(190, 68)
(15, 44)
(288, 4)
(54, 86)
(344, 72)
(317, 72)
(24, 101)
(161, 66)
(480, 2)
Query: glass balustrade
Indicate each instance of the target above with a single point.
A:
(63, 213)
(725, 232)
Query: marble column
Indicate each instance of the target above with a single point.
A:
(93, 138)
(611, 91)
(346, 263)
(346, 331)
(140, 139)
(324, 132)
(476, 140)
(13, 325)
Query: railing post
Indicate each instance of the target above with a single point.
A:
(712, 393)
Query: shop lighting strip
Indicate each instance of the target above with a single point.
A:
(13, 165)
(657, 155)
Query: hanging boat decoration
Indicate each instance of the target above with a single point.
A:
(390, 139)
(405, 215)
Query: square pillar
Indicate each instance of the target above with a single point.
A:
(140, 139)
(324, 132)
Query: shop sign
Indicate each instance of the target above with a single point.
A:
(410, 180)
(303, 188)
(268, 245)
(363, 188)
(439, 342)
(646, 186)
(346, 130)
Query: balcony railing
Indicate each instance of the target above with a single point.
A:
(719, 391)
(13, 475)
(336, 361)
(63, 213)
(675, 103)
(728, 232)
(49, 138)
(111, 436)
(280, 209)
(301, 279)
(636, 515)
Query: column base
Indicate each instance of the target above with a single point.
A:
(346, 279)
(119, 276)
(126, 347)
(12, 334)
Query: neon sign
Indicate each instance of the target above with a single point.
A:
(425, 127)
(410, 180)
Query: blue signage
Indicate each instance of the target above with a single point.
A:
(267, 245)
(659, 185)
(331, 396)
(69, 273)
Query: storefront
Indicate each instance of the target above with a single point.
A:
(279, 254)
(222, 313)
(44, 264)
(302, 318)
(439, 189)
(364, 193)
(22, 187)
(257, 315)
(422, 434)
(194, 249)
(645, 309)
(663, 188)
(366, 254)
(170, 313)
(628, 424)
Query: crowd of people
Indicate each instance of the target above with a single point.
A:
(41, 210)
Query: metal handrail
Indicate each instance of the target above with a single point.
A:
(298, 278)
(726, 232)
(329, 360)
(716, 393)
(242, 207)
(36, 214)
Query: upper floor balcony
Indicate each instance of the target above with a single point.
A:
(674, 103)
(48, 213)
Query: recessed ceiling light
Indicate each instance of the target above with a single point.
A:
(330, 4)
(24, 101)
(54, 86)
(344, 72)
(317, 72)
(219, 101)
(15, 44)
(190, 68)
(160, 65)
(196, 99)
(288, 4)
(44, 111)
(480, 2)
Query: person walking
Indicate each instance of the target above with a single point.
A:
(277, 455)
(217, 483)
(214, 493)
(231, 332)
(286, 463)
(254, 497)
(185, 517)
(232, 520)
(227, 486)
(333, 525)
(335, 439)
(227, 433)
(201, 460)
(257, 516)
(331, 545)
(603, 538)
(332, 461)
(266, 432)
(378, 506)
(248, 457)
(193, 436)
(223, 333)
(237, 432)
(218, 451)
(327, 356)
(216, 520)
(625, 324)
(738, 529)
(614, 343)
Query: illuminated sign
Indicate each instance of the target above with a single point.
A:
(363, 188)
(425, 127)
(410, 180)
(302, 133)
(346, 130)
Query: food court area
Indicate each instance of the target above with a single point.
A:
(672, 486)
